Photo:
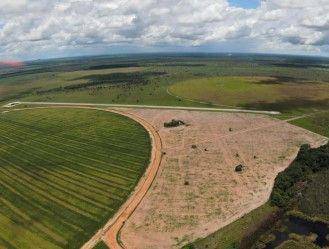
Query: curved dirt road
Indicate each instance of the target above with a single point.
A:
(109, 233)
(143, 186)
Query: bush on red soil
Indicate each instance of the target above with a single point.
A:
(173, 123)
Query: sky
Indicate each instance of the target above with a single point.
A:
(33, 29)
(247, 4)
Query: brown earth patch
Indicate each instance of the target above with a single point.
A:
(197, 190)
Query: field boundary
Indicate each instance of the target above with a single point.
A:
(143, 107)
(110, 231)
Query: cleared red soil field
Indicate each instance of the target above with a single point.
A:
(197, 190)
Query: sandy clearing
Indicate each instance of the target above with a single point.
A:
(173, 213)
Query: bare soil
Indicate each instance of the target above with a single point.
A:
(197, 190)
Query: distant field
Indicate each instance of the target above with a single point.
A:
(268, 93)
(270, 82)
(64, 173)
(22, 85)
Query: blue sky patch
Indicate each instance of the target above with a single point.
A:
(246, 4)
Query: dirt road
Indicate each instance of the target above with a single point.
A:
(141, 189)
(109, 233)
(145, 107)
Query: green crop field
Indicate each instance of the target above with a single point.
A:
(64, 172)
(268, 93)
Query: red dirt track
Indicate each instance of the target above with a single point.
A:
(145, 183)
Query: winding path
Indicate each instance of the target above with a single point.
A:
(110, 232)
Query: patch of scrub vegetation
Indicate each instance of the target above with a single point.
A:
(297, 243)
(267, 93)
(302, 191)
(116, 65)
(230, 236)
(64, 172)
(314, 200)
(99, 81)
(22, 85)
(173, 123)
(292, 180)
(101, 245)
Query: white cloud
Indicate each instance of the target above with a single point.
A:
(31, 26)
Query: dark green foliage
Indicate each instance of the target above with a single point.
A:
(239, 168)
(189, 246)
(119, 78)
(184, 65)
(117, 65)
(308, 161)
(101, 245)
(99, 80)
(314, 200)
(289, 104)
(173, 123)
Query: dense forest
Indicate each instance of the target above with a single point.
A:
(290, 183)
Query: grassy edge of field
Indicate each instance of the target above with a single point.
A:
(317, 123)
(230, 236)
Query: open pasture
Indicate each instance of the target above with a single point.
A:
(251, 81)
(64, 172)
(267, 93)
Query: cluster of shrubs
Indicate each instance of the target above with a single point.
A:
(99, 80)
(173, 123)
(287, 183)
(109, 66)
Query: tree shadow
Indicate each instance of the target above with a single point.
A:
(278, 80)
(288, 104)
